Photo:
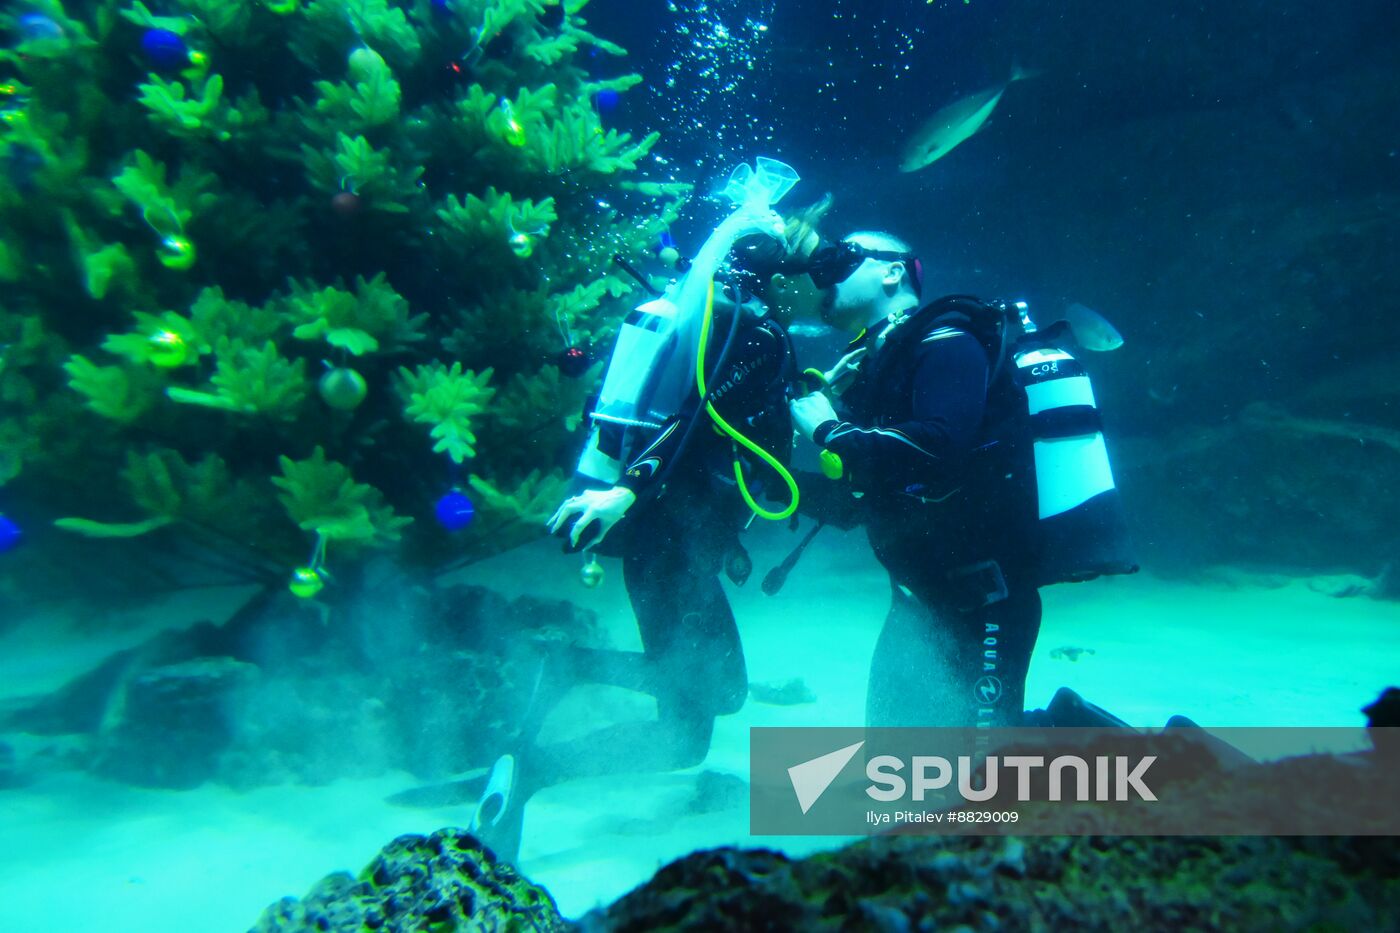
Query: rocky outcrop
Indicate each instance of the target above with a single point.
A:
(438, 883)
(394, 675)
(899, 884)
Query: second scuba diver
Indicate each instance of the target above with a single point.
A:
(974, 446)
(692, 413)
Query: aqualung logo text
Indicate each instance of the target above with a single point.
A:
(1114, 777)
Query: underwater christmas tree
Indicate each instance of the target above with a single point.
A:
(283, 278)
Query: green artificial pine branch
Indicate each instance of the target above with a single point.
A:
(328, 25)
(530, 403)
(142, 16)
(142, 345)
(358, 167)
(446, 399)
(183, 116)
(323, 498)
(531, 500)
(217, 318)
(121, 393)
(166, 207)
(357, 322)
(495, 218)
(371, 100)
(259, 380)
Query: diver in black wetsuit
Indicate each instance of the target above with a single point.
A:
(929, 441)
(673, 516)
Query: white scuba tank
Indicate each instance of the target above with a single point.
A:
(645, 343)
(652, 369)
(1081, 527)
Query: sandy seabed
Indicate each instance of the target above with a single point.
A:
(81, 853)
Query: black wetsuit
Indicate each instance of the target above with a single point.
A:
(947, 496)
(673, 543)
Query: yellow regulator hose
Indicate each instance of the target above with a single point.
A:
(734, 435)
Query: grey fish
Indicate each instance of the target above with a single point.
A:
(941, 133)
(1091, 330)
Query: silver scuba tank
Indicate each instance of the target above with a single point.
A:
(1081, 526)
(645, 343)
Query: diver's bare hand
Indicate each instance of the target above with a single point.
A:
(811, 412)
(604, 506)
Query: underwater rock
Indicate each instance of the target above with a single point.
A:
(446, 881)
(716, 791)
(792, 693)
(1383, 722)
(173, 724)
(406, 675)
(1047, 883)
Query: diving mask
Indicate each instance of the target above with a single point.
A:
(833, 263)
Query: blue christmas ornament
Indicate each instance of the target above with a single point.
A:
(165, 49)
(607, 100)
(36, 26)
(10, 535)
(454, 511)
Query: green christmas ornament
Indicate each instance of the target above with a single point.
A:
(522, 245)
(176, 252)
(306, 582)
(342, 389)
(511, 130)
(591, 575)
(167, 349)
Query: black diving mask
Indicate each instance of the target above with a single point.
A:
(833, 263)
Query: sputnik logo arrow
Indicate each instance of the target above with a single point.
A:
(811, 778)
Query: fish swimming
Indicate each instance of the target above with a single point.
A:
(941, 133)
(1091, 329)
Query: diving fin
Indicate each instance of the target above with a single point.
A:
(450, 793)
(773, 580)
(1225, 754)
(500, 814)
(1069, 710)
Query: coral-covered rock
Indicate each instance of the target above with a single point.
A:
(443, 882)
(1050, 883)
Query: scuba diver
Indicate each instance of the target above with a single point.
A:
(973, 444)
(691, 420)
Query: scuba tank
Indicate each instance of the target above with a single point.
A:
(658, 361)
(1080, 529)
(1080, 524)
(646, 341)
